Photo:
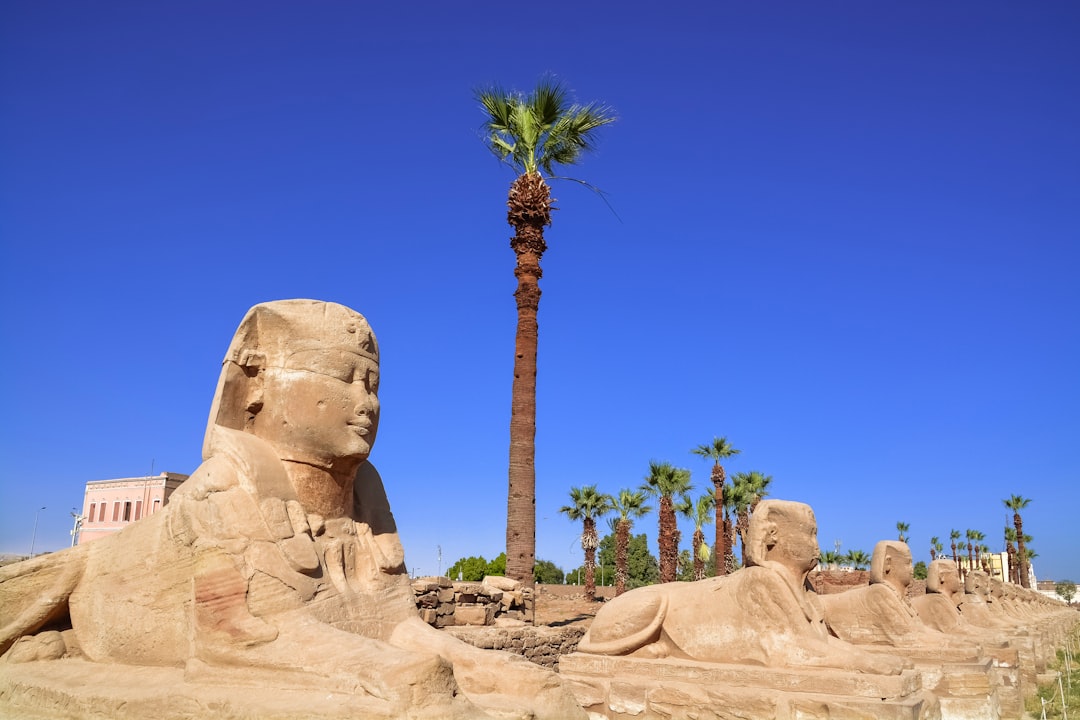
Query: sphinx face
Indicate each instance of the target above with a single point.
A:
(321, 408)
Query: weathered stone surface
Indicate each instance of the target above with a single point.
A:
(276, 565)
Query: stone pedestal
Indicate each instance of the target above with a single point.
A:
(617, 688)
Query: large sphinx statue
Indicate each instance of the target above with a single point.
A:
(279, 556)
(764, 614)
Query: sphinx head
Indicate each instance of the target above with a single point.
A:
(783, 531)
(303, 376)
(891, 563)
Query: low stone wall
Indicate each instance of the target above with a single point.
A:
(444, 603)
(541, 645)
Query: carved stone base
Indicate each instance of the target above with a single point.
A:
(71, 689)
(614, 688)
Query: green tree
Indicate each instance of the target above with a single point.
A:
(702, 514)
(830, 559)
(665, 481)
(954, 535)
(588, 504)
(1066, 590)
(919, 571)
(628, 505)
(747, 490)
(935, 548)
(719, 449)
(970, 535)
(1016, 503)
(532, 133)
(469, 569)
(857, 559)
(498, 565)
(547, 572)
(1010, 551)
(642, 568)
(685, 572)
(902, 528)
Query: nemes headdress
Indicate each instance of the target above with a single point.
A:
(272, 333)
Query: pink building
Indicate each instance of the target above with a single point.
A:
(110, 505)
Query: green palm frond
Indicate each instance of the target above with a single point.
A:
(587, 503)
(542, 129)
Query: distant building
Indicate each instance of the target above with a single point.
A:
(111, 505)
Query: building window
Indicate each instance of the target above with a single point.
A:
(138, 509)
(116, 511)
(93, 507)
(157, 504)
(127, 511)
(101, 513)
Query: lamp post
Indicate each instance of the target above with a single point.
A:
(77, 527)
(33, 538)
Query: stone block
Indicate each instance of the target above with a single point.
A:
(474, 615)
(428, 615)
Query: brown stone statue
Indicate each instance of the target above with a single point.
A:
(765, 614)
(975, 605)
(938, 608)
(880, 613)
(279, 556)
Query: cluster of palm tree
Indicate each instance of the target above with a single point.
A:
(672, 489)
(738, 500)
(978, 553)
(856, 559)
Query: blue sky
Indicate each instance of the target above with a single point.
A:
(844, 235)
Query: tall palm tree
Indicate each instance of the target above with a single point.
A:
(665, 481)
(1016, 503)
(902, 527)
(954, 535)
(970, 535)
(700, 512)
(531, 133)
(1010, 550)
(588, 505)
(935, 548)
(719, 449)
(628, 505)
(747, 490)
(977, 537)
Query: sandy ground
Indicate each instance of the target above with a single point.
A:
(564, 605)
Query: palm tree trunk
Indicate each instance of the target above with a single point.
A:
(729, 543)
(668, 541)
(699, 564)
(529, 205)
(720, 550)
(742, 526)
(588, 541)
(971, 565)
(1021, 551)
(622, 543)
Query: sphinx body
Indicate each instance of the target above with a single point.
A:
(764, 614)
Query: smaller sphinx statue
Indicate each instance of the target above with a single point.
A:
(765, 614)
(938, 608)
(880, 613)
(975, 605)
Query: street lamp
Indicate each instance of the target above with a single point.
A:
(33, 538)
(77, 527)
